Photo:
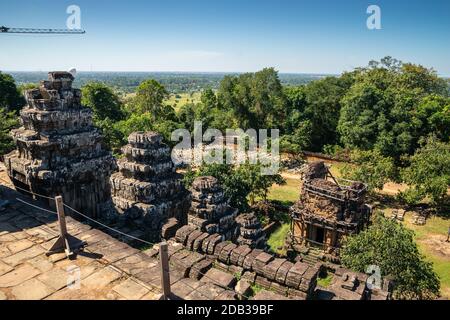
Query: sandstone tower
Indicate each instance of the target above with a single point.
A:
(147, 191)
(210, 210)
(328, 210)
(250, 231)
(59, 151)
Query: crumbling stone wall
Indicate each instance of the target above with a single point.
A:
(59, 151)
(147, 190)
(294, 279)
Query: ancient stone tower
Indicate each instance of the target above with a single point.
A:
(250, 231)
(59, 152)
(147, 191)
(328, 210)
(210, 211)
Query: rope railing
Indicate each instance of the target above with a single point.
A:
(173, 259)
(111, 229)
(29, 191)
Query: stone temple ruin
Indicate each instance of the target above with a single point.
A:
(59, 151)
(250, 231)
(211, 213)
(147, 190)
(210, 210)
(327, 211)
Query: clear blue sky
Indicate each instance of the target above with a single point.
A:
(314, 36)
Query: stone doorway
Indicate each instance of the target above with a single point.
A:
(320, 235)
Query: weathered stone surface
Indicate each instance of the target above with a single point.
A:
(17, 276)
(32, 289)
(250, 231)
(270, 270)
(268, 295)
(282, 272)
(295, 274)
(101, 278)
(261, 261)
(248, 260)
(297, 295)
(4, 268)
(224, 255)
(212, 242)
(219, 278)
(183, 233)
(243, 289)
(200, 268)
(23, 255)
(226, 295)
(55, 278)
(191, 238)
(263, 282)
(130, 289)
(219, 247)
(197, 246)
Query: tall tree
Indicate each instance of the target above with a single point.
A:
(150, 95)
(428, 175)
(390, 246)
(10, 97)
(8, 120)
(102, 100)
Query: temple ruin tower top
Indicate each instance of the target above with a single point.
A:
(147, 191)
(59, 151)
(210, 210)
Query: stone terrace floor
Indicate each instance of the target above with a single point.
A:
(108, 268)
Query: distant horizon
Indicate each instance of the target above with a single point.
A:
(293, 36)
(192, 72)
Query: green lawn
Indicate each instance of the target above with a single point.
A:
(277, 239)
(287, 193)
(430, 239)
(181, 99)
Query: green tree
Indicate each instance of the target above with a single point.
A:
(102, 100)
(391, 247)
(8, 121)
(428, 175)
(370, 167)
(150, 95)
(10, 97)
(381, 110)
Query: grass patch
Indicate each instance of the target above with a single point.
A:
(428, 238)
(288, 193)
(278, 238)
(180, 99)
(325, 281)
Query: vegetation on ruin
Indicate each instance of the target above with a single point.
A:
(243, 184)
(390, 246)
(8, 120)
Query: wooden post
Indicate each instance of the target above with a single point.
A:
(164, 266)
(65, 241)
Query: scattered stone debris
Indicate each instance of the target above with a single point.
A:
(147, 190)
(59, 151)
(254, 266)
(398, 214)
